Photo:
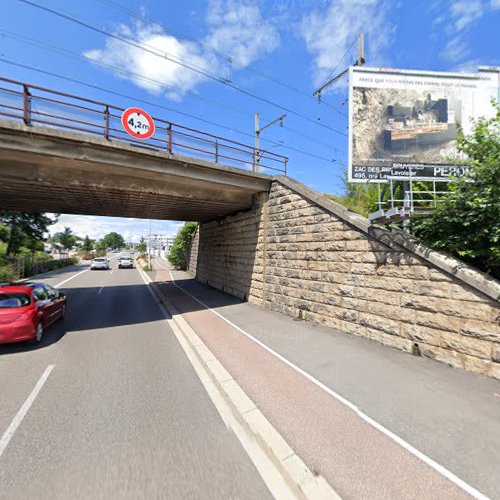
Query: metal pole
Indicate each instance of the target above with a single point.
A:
(149, 246)
(26, 105)
(170, 138)
(361, 49)
(256, 145)
(106, 122)
(216, 151)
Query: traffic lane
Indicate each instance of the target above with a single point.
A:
(357, 459)
(22, 363)
(123, 414)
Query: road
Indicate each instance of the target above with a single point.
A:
(122, 414)
(376, 422)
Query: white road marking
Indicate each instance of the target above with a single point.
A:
(70, 278)
(78, 274)
(264, 465)
(100, 290)
(407, 446)
(7, 436)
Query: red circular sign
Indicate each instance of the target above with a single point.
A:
(138, 123)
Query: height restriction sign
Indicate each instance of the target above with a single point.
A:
(138, 123)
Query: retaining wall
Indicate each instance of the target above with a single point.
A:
(303, 255)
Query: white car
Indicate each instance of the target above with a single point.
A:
(125, 262)
(99, 263)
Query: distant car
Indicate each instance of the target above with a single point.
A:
(27, 310)
(127, 262)
(99, 263)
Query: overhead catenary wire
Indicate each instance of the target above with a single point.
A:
(175, 61)
(340, 61)
(167, 108)
(67, 53)
(229, 58)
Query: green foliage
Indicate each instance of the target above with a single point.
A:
(8, 274)
(467, 223)
(4, 233)
(24, 230)
(179, 252)
(66, 239)
(360, 198)
(111, 240)
(87, 245)
(142, 246)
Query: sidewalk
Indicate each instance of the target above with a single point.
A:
(450, 416)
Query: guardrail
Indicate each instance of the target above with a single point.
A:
(35, 105)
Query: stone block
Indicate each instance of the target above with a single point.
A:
(466, 345)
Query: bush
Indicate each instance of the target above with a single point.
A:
(179, 252)
(8, 274)
(466, 223)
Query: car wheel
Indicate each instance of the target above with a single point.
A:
(38, 334)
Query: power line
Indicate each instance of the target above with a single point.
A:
(341, 59)
(229, 58)
(168, 58)
(161, 106)
(67, 53)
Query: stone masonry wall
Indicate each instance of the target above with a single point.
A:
(317, 261)
(230, 252)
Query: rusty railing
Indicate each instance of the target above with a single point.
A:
(35, 105)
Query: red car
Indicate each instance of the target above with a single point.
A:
(27, 309)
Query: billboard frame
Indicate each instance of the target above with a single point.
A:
(402, 72)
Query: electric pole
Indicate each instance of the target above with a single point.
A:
(256, 151)
(360, 62)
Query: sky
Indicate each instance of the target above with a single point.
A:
(229, 59)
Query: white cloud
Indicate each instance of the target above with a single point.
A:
(465, 12)
(235, 27)
(455, 19)
(329, 32)
(96, 227)
(456, 49)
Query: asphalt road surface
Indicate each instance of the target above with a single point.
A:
(122, 413)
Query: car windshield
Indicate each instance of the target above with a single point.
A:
(99, 260)
(13, 300)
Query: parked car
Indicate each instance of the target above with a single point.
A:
(27, 310)
(125, 262)
(99, 263)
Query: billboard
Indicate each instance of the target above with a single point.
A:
(402, 121)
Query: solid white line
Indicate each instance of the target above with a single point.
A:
(7, 436)
(407, 446)
(70, 278)
(272, 478)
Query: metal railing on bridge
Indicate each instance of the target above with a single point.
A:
(35, 105)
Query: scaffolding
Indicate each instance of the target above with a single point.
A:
(404, 200)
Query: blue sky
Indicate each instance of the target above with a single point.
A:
(282, 51)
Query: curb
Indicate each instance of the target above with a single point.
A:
(299, 477)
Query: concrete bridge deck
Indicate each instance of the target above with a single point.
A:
(46, 169)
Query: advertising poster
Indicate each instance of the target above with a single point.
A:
(402, 121)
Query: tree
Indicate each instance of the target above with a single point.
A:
(65, 238)
(466, 224)
(142, 246)
(87, 244)
(112, 240)
(179, 252)
(24, 230)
